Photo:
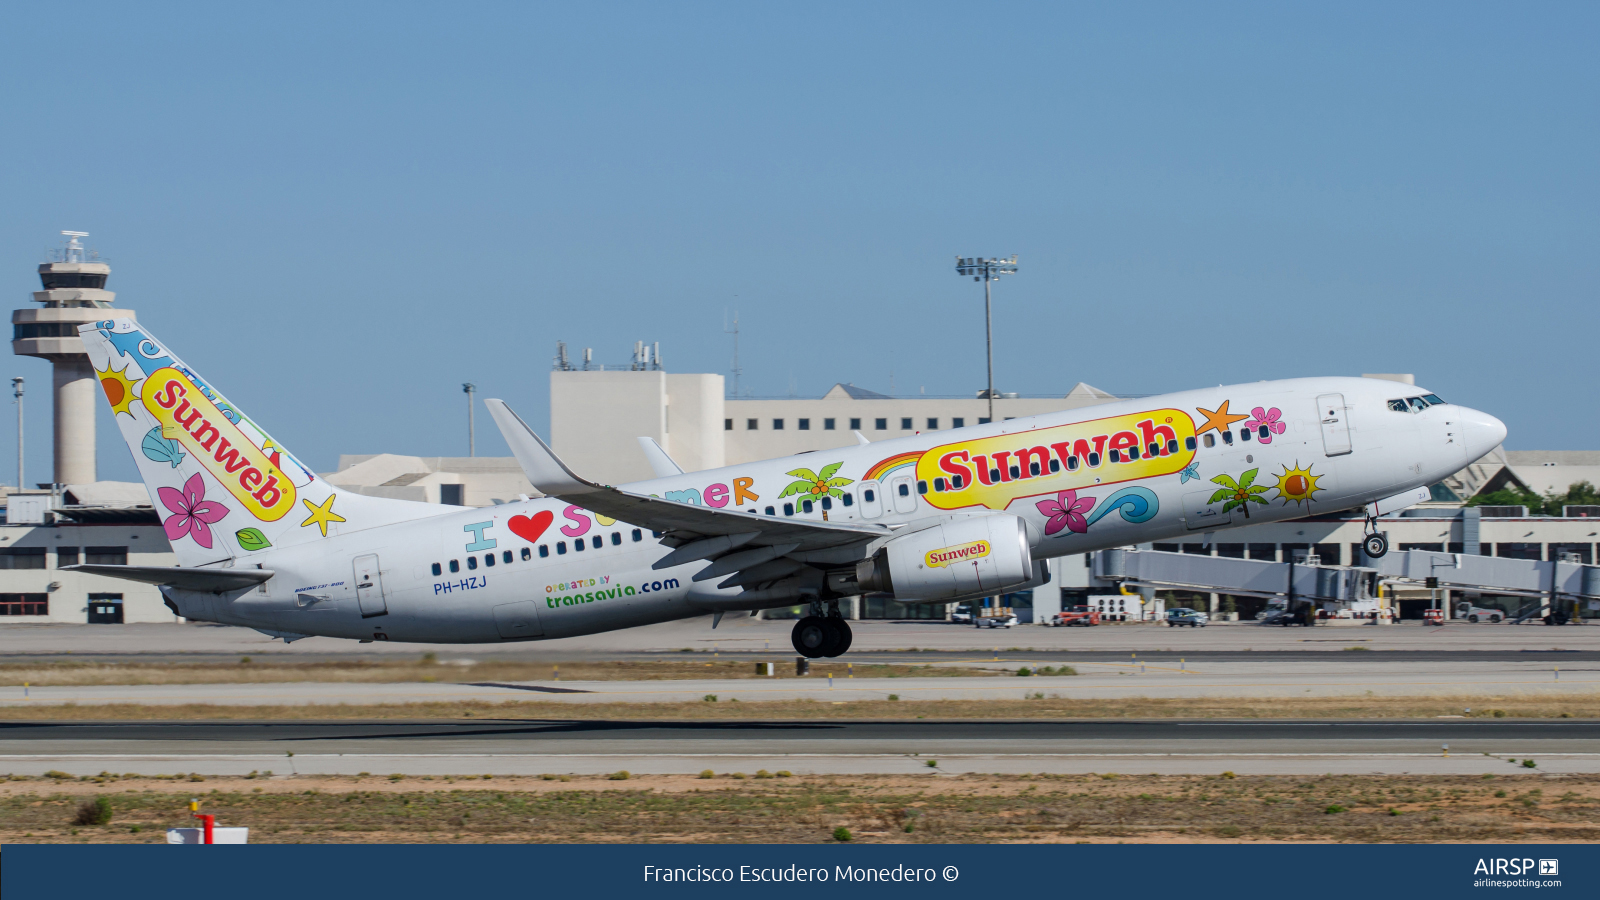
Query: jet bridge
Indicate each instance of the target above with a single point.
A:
(1560, 585)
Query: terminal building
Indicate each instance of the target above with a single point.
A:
(599, 413)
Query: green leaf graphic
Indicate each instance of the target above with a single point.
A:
(252, 539)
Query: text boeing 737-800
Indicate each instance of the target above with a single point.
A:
(938, 517)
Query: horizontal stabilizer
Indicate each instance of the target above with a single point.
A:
(211, 581)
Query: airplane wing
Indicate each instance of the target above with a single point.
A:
(716, 532)
(211, 581)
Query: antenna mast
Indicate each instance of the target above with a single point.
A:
(737, 371)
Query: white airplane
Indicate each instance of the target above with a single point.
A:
(944, 516)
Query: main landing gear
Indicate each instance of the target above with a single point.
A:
(1374, 544)
(822, 633)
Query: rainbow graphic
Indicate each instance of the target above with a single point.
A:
(899, 461)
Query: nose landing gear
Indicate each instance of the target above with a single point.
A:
(1374, 544)
(823, 633)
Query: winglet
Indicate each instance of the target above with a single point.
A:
(861, 438)
(660, 462)
(544, 469)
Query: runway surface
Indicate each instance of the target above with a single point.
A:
(1299, 675)
(842, 747)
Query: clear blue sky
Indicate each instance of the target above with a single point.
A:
(339, 212)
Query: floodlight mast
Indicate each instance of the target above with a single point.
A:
(987, 270)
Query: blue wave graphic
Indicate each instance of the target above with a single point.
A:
(1137, 504)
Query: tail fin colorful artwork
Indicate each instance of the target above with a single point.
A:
(222, 486)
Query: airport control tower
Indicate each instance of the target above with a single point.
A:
(74, 293)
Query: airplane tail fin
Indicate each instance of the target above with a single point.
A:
(223, 487)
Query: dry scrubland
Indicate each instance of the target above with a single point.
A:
(1040, 705)
(428, 670)
(775, 807)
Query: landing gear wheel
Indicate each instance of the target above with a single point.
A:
(812, 637)
(1375, 545)
(844, 636)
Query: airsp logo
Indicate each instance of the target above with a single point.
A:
(1516, 867)
(1549, 867)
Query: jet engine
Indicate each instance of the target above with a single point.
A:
(967, 557)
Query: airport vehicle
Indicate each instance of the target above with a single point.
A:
(940, 517)
(1474, 614)
(961, 617)
(1184, 616)
(1002, 621)
(1077, 615)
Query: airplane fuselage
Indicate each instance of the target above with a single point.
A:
(1121, 473)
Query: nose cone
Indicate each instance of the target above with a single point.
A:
(1480, 432)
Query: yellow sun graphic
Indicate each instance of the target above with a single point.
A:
(1297, 484)
(119, 388)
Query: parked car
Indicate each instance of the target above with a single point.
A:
(1185, 616)
(1076, 615)
(961, 616)
(1005, 621)
(1465, 610)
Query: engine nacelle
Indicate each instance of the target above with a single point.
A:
(968, 557)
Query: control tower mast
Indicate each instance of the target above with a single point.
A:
(74, 293)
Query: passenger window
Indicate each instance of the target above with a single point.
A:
(616, 538)
(472, 563)
(1210, 439)
(1227, 438)
(544, 550)
(657, 534)
(1094, 458)
(788, 509)
(1263, 432)
(579, 545)
(1015, 472)
(638, 535)
(1116, 455)
(437, 570)
(1055, 464)
(938, 485)
(869, 495)
(1398, 406)
(994, 474)
(848, 499)
(455, 566)
(1133, 453)
(528, 554)
(905, 490)
(771, 511)
(597, 542)
(1072, 464)
(1172, 445)
(827, 503)
(506, 557)
(561, 548)
(1155, 448)
(922, 487)
(1244, 434)
(488, 560)
(1033, 468)
(805, 506)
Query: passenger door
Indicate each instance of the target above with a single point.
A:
(369, 587)
(871, 499)
(1335, 424)
(905, 497)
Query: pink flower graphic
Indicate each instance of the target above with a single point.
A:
(1066, 511)
(193, 513)
(1269, 418)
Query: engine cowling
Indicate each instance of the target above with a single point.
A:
(955, 560)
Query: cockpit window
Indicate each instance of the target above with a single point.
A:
(1433, 398)
(1417, 404)
(1399, 406)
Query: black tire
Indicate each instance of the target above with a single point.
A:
(1495, 619)
(812, 636)
(844, 636)
(1375, 545)
(1473, 619)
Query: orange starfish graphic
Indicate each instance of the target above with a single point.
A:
(1218, 419)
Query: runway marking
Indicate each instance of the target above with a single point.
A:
(529, 687)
